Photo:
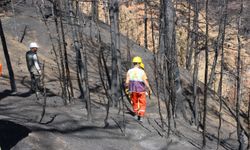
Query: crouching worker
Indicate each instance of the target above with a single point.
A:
(34, 67)
(136, 81)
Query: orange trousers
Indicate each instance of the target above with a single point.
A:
(138, 101)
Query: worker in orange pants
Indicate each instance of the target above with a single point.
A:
(137, 83)
(139, 100)
(139, 103)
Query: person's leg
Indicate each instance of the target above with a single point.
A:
(33, 83)
(38, 83)
(142, 103)
(134, 99)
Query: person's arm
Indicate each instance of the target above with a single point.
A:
(145, 80)
(127, 80)
(37, 64)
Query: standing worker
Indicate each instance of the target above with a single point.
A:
(136, 81)
(34, 67)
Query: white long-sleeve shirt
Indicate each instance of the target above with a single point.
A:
(36, 63)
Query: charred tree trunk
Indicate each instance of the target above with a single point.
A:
(196, 62)
(224, 16)
(7, 58)
(217, 47)
(105, 10)
(53, 49)
(95, 10)
(82, 69)
(24, 33)
(145, 25)
(66, 61)
(85, 62)
(205, 81)
(128, 50)
(192, 36)
(64, 89)
(188, 50)
(114, 30)
(238, 83)
(102, 65)
(168, 48)
(156, 74)
(162, 65)
(76, 44)
(14, 19)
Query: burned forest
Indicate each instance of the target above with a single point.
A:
(124, 74)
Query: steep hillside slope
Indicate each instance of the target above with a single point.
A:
(66, 127)
(132, 23)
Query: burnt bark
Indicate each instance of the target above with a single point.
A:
(145, 25)
(114, 31)
(224, 16)
(66, 61)
(217, 47)
(188, 49)
(171, 76)
(196, 62)
(81, 65)
(205, 81)
(238, 82)
(63, 78)
(95, 10)
(7, 58)
(53, 49)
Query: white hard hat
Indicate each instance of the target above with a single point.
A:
(33, 45)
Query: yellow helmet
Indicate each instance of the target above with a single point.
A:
(137, 59)
(142, 65)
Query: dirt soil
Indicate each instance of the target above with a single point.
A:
(66, 127)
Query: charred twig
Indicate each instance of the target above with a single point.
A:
(44, 95)
(155, 128)
(50, 121)
(52, 44)
(100, 66)
(181, 135)
(24, 33)
(123, 132)
(140, 123)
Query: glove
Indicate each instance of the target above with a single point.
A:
(127, 91)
